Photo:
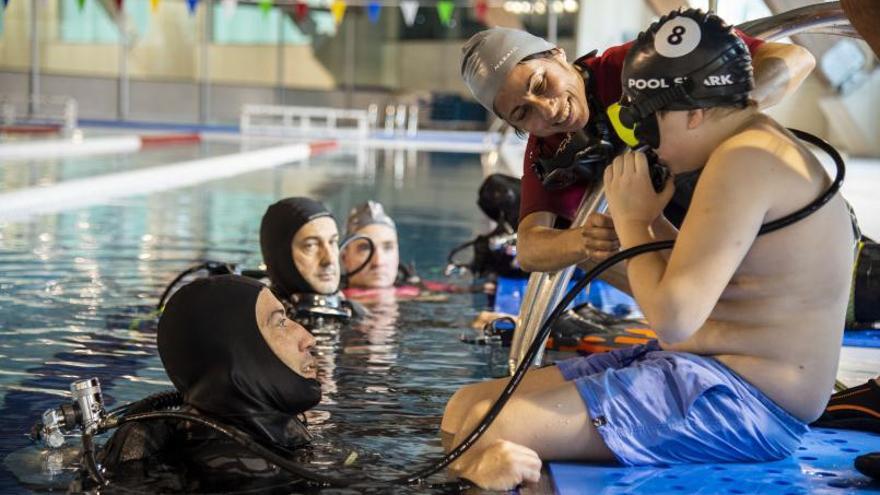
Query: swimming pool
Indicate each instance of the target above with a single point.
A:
(71, 282)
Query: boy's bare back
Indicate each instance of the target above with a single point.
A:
(778, 320)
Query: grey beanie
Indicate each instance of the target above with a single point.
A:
(490, 55)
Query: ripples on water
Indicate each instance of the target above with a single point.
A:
(72, 283)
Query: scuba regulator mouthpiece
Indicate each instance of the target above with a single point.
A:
(85, 412)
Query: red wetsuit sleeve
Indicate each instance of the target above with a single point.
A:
(533, 196)
(752, 43)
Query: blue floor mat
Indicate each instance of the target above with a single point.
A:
(823, 464)
(862, 338)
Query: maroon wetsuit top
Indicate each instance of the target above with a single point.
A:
(605, 71)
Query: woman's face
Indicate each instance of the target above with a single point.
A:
(288, 339)
(544, 96)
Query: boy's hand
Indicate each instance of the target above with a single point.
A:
(503, 466)
(631, 197)
(599, 240)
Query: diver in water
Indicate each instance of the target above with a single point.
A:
(383, 270)
(235, 357)
(300, 245)
(235, 360)
(383, 274)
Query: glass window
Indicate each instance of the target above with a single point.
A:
(91, 24)
(248, 25)
(95, 24)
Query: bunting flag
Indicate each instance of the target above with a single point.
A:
(265, 6)
(337, 8)
(481, 8)
(300, 11)
(81, 4)
(229, 7)
(409, 9)
(119, 5)
(154, 6)
(374, 9)
(192, 5)
(444, 10)
(5, 3)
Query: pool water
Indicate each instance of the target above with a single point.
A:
(72, 282)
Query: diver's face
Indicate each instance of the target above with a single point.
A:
(680, 139)
(288, 339)
(315, 250)
(543, 97)
(381, 272)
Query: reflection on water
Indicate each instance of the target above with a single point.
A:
(72, 283)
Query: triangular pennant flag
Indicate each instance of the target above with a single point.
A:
(5, 3)
(300, 11)
(81, 4)
(444, 10)
(229, 7)
(154, 6)
(374, 9)
(192, 4)
(481, 8)
(265, 6)
(337, 8)
(119, 6)
(409, 9)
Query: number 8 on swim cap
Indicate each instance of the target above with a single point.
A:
(677, 37)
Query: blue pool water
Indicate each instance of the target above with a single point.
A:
(71, 282)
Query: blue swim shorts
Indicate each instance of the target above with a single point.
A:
(658, 407)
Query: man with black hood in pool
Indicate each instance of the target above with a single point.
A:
(300, 244)
(242, 363)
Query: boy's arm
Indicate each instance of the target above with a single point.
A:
(727, 211)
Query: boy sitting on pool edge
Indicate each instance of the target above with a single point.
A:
(731, 378)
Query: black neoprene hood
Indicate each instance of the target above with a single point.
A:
(217, 358)
(280, 224)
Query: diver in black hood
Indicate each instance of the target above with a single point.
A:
(300, 244)
(242, 363)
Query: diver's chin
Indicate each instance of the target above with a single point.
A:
(309, 371)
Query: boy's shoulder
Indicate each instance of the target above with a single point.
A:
(754, 151)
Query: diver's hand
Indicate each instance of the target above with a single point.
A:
(631, 197)
(598, 238)
(503, 466)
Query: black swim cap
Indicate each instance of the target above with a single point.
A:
(216, 357)
(687, 60)
(281, 222)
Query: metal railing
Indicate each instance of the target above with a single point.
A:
(277, 120)
(48, 110)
